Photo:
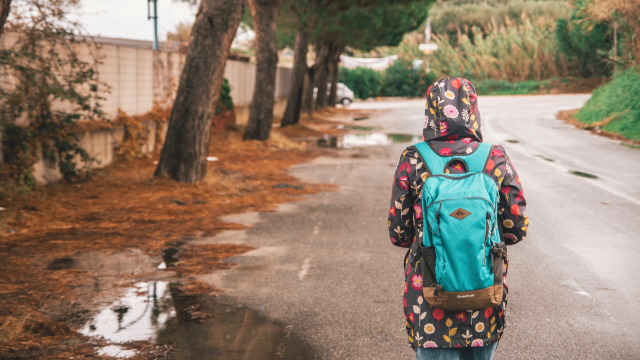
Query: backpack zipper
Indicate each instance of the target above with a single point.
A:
(486, 236)
(458, 177)
(471, 197)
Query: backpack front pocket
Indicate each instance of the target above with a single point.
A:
(459, 231)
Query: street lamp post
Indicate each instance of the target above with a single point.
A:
(155, 21)
(428, 47)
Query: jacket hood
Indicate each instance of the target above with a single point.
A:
(452, 112)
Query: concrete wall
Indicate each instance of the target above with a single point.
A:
(101, 145)
(139, 77)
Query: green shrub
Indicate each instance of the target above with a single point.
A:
(225, 103)
(586, 46)
(364, 83)
(504, 87)
(615, 106)
(401, 79)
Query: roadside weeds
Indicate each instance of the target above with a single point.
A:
(596, 128)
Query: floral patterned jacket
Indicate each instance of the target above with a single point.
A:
(452, 126)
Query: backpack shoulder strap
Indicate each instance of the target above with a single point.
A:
(477, 160)
(437, 164)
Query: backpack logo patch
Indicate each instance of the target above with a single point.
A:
(460, 213)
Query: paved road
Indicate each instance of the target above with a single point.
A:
(326, 268)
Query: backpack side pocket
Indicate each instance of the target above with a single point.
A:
(425, 259)
(428, 266)
(499, 255)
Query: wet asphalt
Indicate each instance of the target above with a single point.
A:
(325, 268)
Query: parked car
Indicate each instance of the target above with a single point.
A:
(344, 96)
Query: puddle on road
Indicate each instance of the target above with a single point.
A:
(198, 326)
(545, 158)
(583, 174)
(357, 140)
(229, 332)
(360, 128)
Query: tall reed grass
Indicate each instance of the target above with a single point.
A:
(447, 17)
(512, 52)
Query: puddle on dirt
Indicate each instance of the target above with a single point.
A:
(583, 174)
(357, 140)
(136, 316)
(116, 351)
(169, 259)
(101, 264)
(197, 326)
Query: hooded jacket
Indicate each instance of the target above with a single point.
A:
(452, 127)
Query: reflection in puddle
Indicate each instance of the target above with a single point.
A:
(356, 140)
(229, 332)
(138, 315)
(198, 326)
(116, 351)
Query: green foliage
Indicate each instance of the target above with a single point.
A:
(51, 89)
(380, 25)
(400, 79)
(364, 83)
(614, 106)
(587, 46)
(450, 17)
(225, 103)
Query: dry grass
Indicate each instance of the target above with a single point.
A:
(122, 207)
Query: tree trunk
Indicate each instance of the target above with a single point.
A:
(5, 6)
(322, 76)
(333, 76)
(265, 21)
(185, 150)
(294, 100)
(307, 104)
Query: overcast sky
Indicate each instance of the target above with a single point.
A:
(128, 18)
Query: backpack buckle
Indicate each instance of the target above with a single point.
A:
(436, 288)
(499, 251)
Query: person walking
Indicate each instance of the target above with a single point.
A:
(456, 203)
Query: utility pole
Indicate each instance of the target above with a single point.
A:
(155, 21)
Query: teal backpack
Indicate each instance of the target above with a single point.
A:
(461, 255)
